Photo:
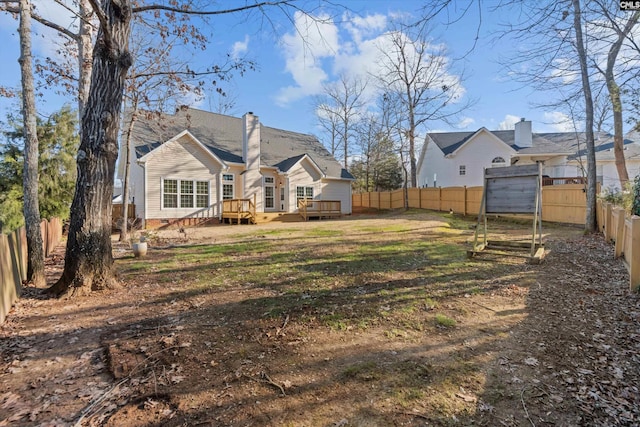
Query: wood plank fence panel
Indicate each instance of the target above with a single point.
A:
(430, 198)
(13, 260)
(564, 203)
(397, 199)
(413, 197)
(453, 199)
(8, 291)
(474, 200)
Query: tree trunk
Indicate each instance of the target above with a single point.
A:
(88, 259)
(616, 102)
(85, 54)
(590, 223)
(127, 164)
(31, 208)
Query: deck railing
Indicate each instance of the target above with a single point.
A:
(319, 208)
(239, 209)
(564, 180)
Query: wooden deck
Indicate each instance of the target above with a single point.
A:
(319, 208)
(239, 210)
(243, 211)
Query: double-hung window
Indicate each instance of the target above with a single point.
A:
(185, 194)
(170, 193)
(202, 194)
(462, 170)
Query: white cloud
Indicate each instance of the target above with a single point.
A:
(465, 122)
(239, 48)
(509, 122)
(564, 70)
(558, 121)
(304, 49)
(318, 52)
(366, 26)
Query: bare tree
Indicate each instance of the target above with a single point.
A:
(340, 106)
(621, 26)
(417, 72)
(551, 35)
(590, 223)
(76, 48)
(329, 122)
(31, 209)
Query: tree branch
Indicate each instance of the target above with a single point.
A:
(208, 12)
(40, 19)
(104, 23)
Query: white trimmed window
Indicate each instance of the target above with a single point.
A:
(498, 162)
(269, 193)
(304, 193)
(202, 194)
(462, 170)
(186, 194)
(170, 193)
(227, 186)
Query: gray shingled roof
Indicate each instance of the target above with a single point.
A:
(604, 148)
(542, 143)
(222, 135)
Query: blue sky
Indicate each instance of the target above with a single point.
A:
(290, 73)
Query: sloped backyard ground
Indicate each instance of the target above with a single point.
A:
(365, 321)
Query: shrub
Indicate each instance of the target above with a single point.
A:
(629, 199)
(635, 191)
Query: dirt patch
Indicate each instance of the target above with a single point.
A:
(371, 320)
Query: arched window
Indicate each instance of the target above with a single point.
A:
(498, 161)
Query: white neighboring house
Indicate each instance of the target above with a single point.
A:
(184, 165)
(606, 162)
(450, 159)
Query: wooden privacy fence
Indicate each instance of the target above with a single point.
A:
(624, 230)
(13, 260)
(560, 203)
(116, 211)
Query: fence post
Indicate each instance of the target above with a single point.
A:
(439, 199)
(464, 208)
(634, 256)
(619, 214)
(608, 223)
